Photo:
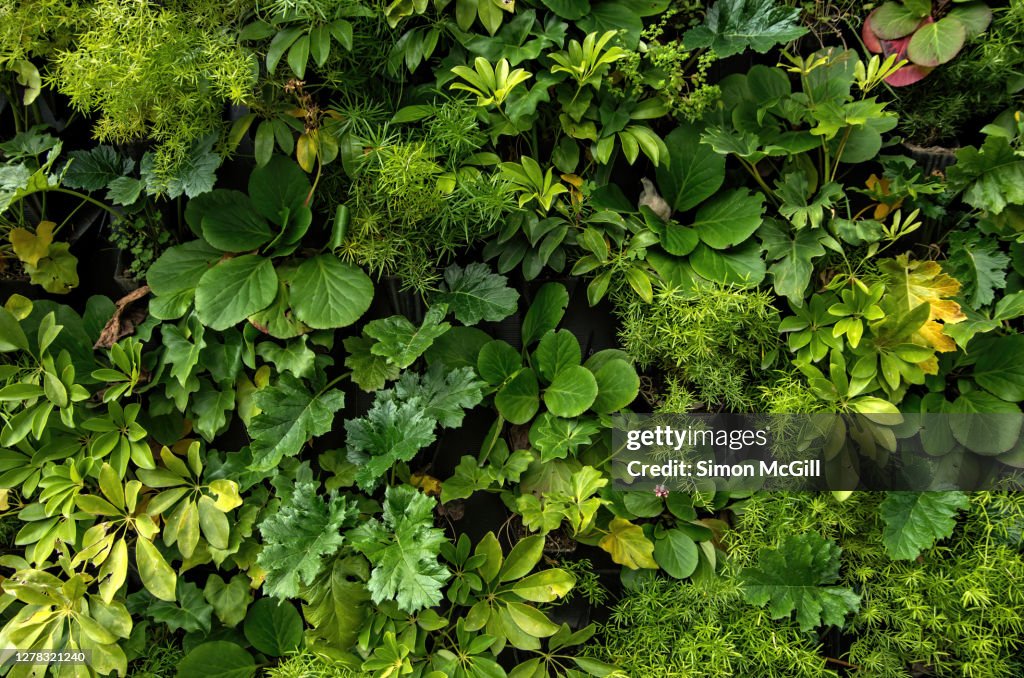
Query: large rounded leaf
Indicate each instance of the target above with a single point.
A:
(556, 351)
(217, 659)
(617, 386)
(936, 43)
(497, 361)
(518, 400)
(327, 292)
(985, 424)
(676, 553)
(679, 240)
(235, 289)
(230, 223)
(739, 266)
(572, 391)
(730, 218)
(694, 172)
(1000, 367)
(273, 627)
(975, 17)
(893, 20)
(279, 188)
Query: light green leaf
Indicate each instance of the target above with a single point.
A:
(235, 289)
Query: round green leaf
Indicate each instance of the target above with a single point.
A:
(217, 659)
(985, 424)
(556, 351)
(229, 222)
(497, 361)
(729, 219)
(679, 240)
(278, 186)
(234, 289)
(937, 43)
(1000, 367)
(517, 400)
(643, 504)
(694, 172)
(571, 392)
(569, 9)
(676, 553)
(739, 266)
(327, 292)
(975, 17)
(180, 267)
(617, 386)
(274, 628)
(893, 20)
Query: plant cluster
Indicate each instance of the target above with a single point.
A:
(318, 320)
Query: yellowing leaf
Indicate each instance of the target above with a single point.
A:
(912, 283)
(31, 247)
(428, 483)
(628, 545)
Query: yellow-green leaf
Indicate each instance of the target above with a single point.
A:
(157, 576)
(628, 545)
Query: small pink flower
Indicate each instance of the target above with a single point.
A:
(660, 491)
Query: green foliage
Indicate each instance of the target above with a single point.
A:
(732, 26)
(798, 577)
(289, 415)
(715, 339)
(914, 521)
(713, 633)
(403, 550)
(125, 64)
(303, 531)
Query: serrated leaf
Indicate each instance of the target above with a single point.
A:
(443, 395)
(914, 521)
(474, 294)
(978, 264)
(732, 26)
(400, 341)
(796, 576)
(304, 531)
(912, 283)
(290, 415)
(991, 177)
(96, 168)
(403, 548)
(392, 431)
(369, 371)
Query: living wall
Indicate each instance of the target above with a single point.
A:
(316, 316)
